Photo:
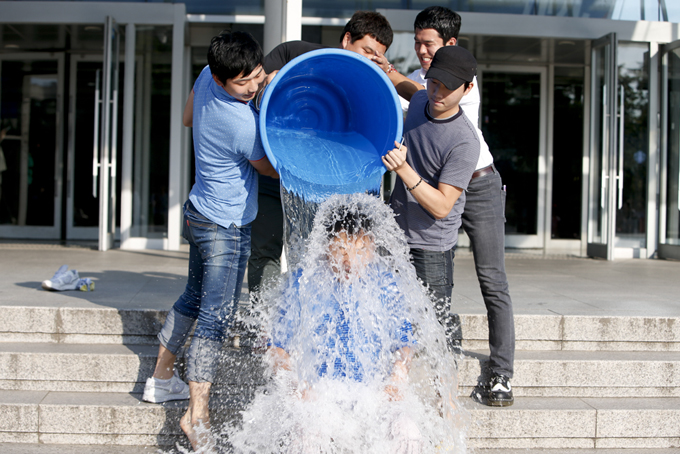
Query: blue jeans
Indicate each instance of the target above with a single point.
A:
(435, 269)
(484, 222)
(217, 264)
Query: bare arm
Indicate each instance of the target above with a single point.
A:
(405, 87)
(270, 77)
(280, 359)
(281, 363)
(264, 167)
(188, 116)
(399, 374)
(437, 201)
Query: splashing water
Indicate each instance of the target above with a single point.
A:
(343, 323)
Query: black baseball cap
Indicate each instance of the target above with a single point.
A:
(452, 66)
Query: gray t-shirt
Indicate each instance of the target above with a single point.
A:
(443, 151)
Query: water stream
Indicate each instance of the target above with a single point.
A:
(349, 309)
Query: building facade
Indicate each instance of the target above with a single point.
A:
(580, 107)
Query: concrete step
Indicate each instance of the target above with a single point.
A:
(533, 332)
(582, 373)
(39, 448)
(531, 423)
(99, 418)
(580, 332)
(121, 368)
(580, 451)
(577, 423)
(106, 367)
(36, 448)
(80, 325)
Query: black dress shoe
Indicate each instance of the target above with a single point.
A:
(500, 391)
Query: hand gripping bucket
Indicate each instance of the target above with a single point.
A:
(325, 121)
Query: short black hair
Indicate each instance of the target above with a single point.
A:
(441, 19)
(369, 23)
(347, 219)
(233, 53)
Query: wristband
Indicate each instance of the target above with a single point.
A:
(391, 68)
(416, 185)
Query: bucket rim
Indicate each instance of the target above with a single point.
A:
(269, 89)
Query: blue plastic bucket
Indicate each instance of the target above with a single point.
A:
(326, 119)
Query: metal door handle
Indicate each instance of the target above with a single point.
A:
(619, 177)
(604, 171)
(95, 145)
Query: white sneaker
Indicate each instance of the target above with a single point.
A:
(157, 391)
(62, 280)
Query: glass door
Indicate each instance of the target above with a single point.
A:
(514, 99)
(630, 236)
(105, 143)
(82, 201)
(619, 149)
(669, 210)
(30, 145)
(603, 148)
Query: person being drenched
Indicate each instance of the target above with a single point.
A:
(352, 334)
(342, 342)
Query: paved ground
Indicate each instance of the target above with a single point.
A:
(538, 284)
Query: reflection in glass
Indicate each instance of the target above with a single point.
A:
(152, 132)
(673, 156)
(510, 123)
(226, 7)
(651, 10)
(632, 207)
(85, 204)
(28, 121)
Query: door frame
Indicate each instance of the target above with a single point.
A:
(32, 231)
(539, 239)
(109, 134)
(665, 250)
(606, 186)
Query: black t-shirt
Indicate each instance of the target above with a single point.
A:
(283, 53)
(274, 61)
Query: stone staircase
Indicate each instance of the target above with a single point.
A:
(71, 382)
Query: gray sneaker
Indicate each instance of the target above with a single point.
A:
(62, 280)
(157, 391)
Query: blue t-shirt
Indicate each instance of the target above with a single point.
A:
(342, 330)
(226, 137)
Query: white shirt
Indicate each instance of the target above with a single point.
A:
(470, 105)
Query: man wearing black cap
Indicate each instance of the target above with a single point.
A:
(484, 215)
(434, 169)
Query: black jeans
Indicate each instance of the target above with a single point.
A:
(264, 264)
(484, 222)
(435, 269)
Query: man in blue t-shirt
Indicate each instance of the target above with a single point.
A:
(346, 319)
(217, 217)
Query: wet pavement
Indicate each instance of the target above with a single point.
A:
(539, 284)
